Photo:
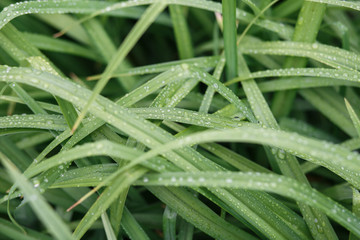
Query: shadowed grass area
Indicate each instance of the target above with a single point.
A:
(179, 119)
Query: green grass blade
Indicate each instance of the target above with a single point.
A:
(348, 4)
(51, 122)
(353, 116)
(44, 42)
(181, 31)
(278, 184)
(105, 199)
(132, 227)
(43, 210)
(329, 55)
(355, 209)
(108, 228)
(182, 201)
(332, 107)
(229, 13)
(311, 72)
(121, 119)
(137, 31)
(169, 223)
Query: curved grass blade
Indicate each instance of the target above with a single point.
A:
(332, 56)
(136, 32)
(43, 210)
(169, 223)
(342, 74)
(44, 42)
(181, 31)
(353, 116)
(186, 158)
(38, 121)
(230, 48)
(331, 104)
(301, 83)
(8, 229)
(348, 4)
(110, 235)
(98, 7)
(106, 198)
(201, 62)
(343, 162)
(132, 227)
(181, 201)
(259, 181)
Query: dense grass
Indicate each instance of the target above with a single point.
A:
(179, 119)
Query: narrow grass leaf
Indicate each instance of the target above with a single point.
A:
(353, 116)
(132, 227)
(43, 210)
(256, 181)
(136, 32)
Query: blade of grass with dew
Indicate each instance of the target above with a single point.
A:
(38, 121)
(332, 56)
(46, 214)
(348, 4)
(27, 51)
(301, 83)
(210, 91)
(72, 92)
(181, 31)
(353, 116)
(306, 30)
(97, 7)
(290, 167)
(279, 184)
(344, 75)
(78, 101)
(136, 32)
(312, 150)
(103, 147)
(352, 97)
(221, 89)
(201, 62)
(181, 200)
(62, 87)
(106, 198)
(89, 176)
(174, 92)
(262, 200)
(186, 116)
(27, 99)
(356, 210)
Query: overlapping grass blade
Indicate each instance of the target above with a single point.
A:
(278, 184)
(43, 210)
(121, 119)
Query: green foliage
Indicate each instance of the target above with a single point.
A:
(129, 124)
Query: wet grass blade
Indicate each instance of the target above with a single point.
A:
(42, 209)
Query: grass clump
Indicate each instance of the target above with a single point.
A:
(179, 119)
